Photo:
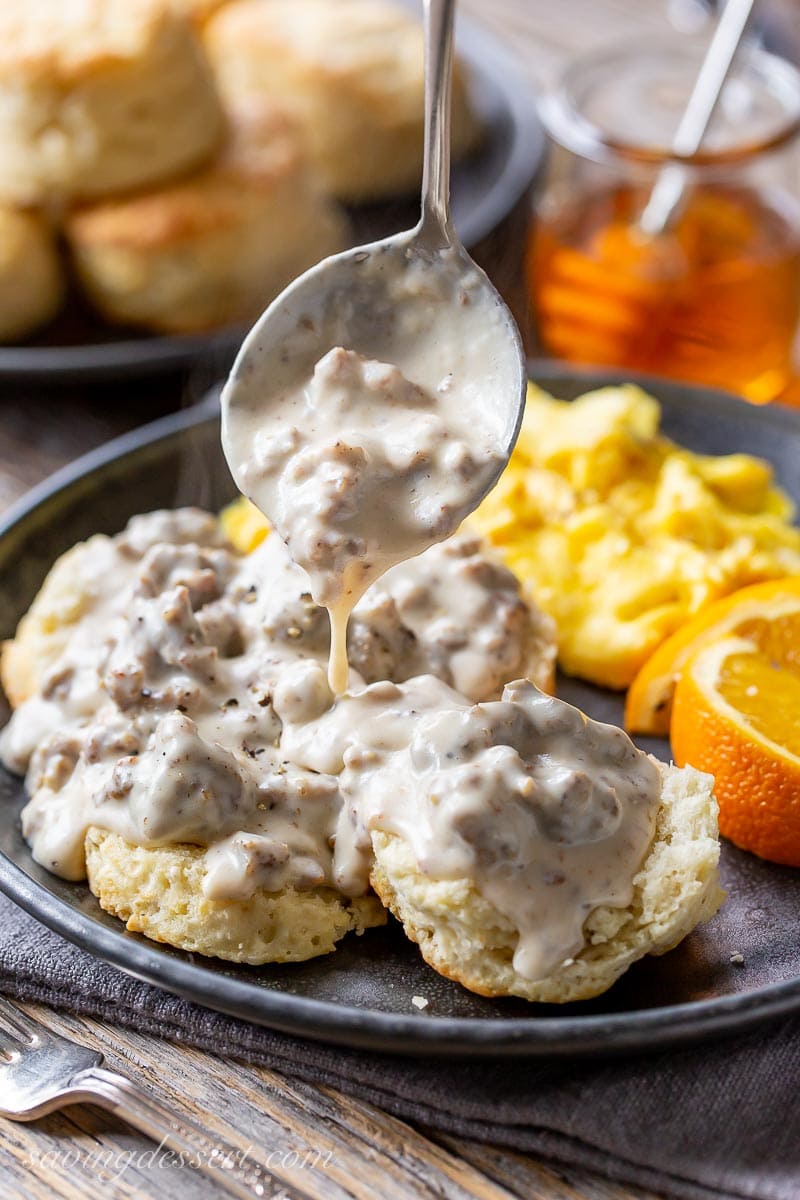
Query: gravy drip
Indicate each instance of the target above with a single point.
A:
(190, 704)
(359, 469)
(548, 813)
(359, 463)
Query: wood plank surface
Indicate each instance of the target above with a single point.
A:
(328, 1145)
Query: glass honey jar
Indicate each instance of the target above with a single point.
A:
(713, 298)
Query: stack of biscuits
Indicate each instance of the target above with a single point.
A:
(183, 160)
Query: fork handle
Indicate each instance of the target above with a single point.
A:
(212, 1154)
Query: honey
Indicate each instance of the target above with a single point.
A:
(715, 300)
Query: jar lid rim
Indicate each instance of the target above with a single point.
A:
(572, 129)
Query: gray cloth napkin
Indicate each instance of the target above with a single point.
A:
(722, 1120)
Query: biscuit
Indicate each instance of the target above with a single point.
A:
(214, 248)
(67, 594)
(351, 72)
(519, 638)
(31, 281)
(159, 892)
(99, 96)
(399, 629)
(464, 937)
(78, 586)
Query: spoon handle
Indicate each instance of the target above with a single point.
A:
(435, 223)
(668, 192)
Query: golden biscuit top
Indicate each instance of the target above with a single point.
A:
(262, 152)
(377, 45)
(60, 41)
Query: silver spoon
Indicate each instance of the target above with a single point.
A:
(669, 190)
(351, 300)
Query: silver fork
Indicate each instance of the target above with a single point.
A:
(40, 1071)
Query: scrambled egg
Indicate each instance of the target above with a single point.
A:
(243, 525)
(621, 535)
(617, 532)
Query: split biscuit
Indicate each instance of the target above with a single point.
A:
(70, 592)
(80, 588)
(463, 936)
(159, 892)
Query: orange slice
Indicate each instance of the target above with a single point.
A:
(768, 614)
(736, 714)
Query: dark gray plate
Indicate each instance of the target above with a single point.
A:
(361, 995)
(78, 347)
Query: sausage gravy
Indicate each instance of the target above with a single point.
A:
(190, 704)
(361, 463)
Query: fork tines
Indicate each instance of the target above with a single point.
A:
(16, 1025)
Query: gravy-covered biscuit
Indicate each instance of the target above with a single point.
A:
(98, 96)
(462, 934)
(85, 587)
(351, 72)
(183, 750)
(457, 613)
(213, 248)
(31, 280)
(159, 892)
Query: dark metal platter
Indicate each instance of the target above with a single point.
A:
(77, 347)
(361, 994)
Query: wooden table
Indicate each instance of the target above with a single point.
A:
(330, 1146)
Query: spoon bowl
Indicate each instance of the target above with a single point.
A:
(426, 308)
(416, 300)
(378, 399)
